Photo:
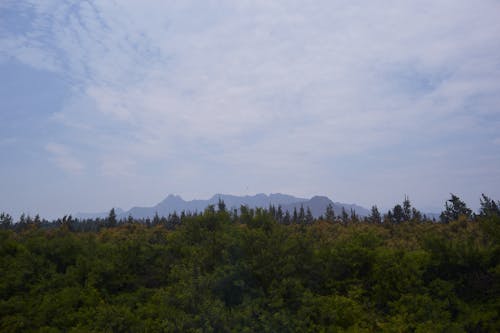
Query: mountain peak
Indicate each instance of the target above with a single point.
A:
(174, 203)
(171, 199)
(321, 198)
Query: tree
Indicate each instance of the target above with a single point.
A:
(406, 209)
(295, 215)
(156, 219)
(111, 220)
(287, 218)
(68, 223)
(173, 219)
(409, 212)
(302, 214)
(272, 210)
(234, 215)
(5, 221)
(246, 214)
(489, 207)
(309, 216)
(344, 216)
(416, 215)
(397, 214)
(388, 217)
(279, 214)
(209, 210)
(330, 213)
(354, 216)
(375, 215)
(221, 206)
(454, 210)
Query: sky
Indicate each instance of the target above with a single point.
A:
(120, 103)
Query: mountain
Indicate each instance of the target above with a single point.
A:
(318, 205)
(174, 203)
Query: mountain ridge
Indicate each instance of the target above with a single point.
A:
(175, 203)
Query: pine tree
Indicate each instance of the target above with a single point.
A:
(287, 218)
(354, 216)
(221, 206)
(174, 219)
(455, 209)
(406, 209)
(5, 221)
(375, 215)
(309, 218)
(156, 219)
(344, 216)
(111, 220)
(489, 207)
(302, 214)
(279, 214)
(397, 214)
(272, 210)
(388, 218)
(329, 213)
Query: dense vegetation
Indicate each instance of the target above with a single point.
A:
(254, 271)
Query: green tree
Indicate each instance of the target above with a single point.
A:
(397, 214)
(287, 219)
(221, 205)
(302, 214)
(354, 216)
(308, 219)
(454, 210)
(246, 214)
(279, 214)
(156, 219)
(407, 209)
(488, 207)
(375, 215)
(5, 221)
(111, 221)
(344, 216)
(329, 213)
(416, 215)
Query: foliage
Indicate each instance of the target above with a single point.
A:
(455, 209)
(254, 272)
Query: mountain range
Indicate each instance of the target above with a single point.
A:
(174, 203)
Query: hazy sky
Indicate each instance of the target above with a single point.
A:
(119, 103)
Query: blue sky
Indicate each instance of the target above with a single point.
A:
(119, 103)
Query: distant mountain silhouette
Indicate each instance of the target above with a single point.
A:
(174, 203)
(318, 205)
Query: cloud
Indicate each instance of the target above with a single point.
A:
(264, 89)
(63, 157)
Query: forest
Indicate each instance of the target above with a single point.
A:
(254, 270)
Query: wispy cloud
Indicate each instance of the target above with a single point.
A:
(283, 87)
(63, 157)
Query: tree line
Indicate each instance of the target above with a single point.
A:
(405, 212)
(247, 271)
